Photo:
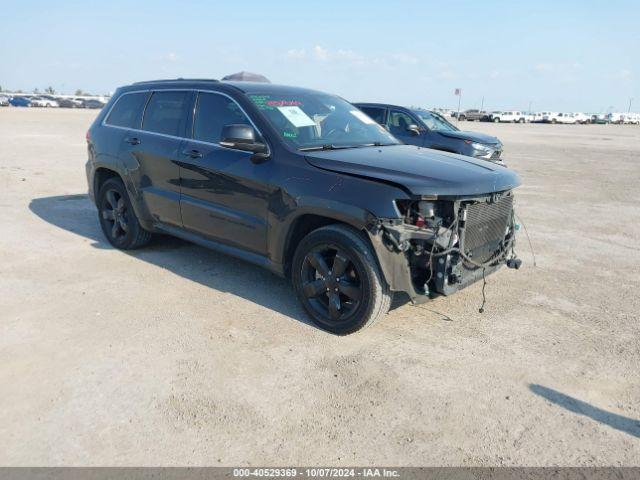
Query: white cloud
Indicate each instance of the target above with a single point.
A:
(171, 57)
(320, 53)
(296, 54)
(350, 57)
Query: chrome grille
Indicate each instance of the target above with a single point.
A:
(485, 227)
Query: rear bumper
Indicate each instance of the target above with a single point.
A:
(90, 172)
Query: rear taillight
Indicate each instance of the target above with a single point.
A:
(87, 136)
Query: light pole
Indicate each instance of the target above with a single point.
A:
(629, 109)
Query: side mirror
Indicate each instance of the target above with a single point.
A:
(414, 129)
(242, 137)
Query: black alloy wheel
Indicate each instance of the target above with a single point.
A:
(331, 283)
(337, 279)
(115, 215)
(117, 218)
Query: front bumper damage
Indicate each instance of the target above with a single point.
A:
(446, 256)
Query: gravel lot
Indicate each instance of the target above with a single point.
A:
(175, 355)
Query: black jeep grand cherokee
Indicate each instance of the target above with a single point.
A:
(302, 183)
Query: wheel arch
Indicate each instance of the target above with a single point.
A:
(307, 222)
(104, 172)
(101, 175)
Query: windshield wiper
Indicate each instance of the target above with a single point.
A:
(326, 146)
(330, 146)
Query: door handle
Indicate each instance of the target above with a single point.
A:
(192, 153)
(133, 141)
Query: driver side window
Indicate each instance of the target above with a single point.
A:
(398, 122)
(213, 112)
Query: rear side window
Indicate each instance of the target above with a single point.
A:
(126, 111)
(214, 112)
(375, 113)
(165, 113)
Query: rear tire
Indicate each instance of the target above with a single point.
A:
(117, 218)
(496, 120)
(337, 279)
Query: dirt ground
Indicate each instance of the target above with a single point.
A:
(175, 355)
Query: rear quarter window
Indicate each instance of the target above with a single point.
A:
(377, 114)
(127, 110)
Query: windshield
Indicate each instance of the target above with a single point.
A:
(435, 122)
(316, 120)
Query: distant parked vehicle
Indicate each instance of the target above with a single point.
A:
(4, 101)
(93, 103)
(562, 117)
(473, 115)
(70, 103)
(582, 118)
(633, 118)
(20, 102)
(538, 117)
(43, 102)
(510, 116)
(425, 128)
(616, 118)
(599, 118)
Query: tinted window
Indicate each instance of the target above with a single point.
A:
(165, 113)
(375, 113)
(127, 110)
(399, 122)
(214, 112)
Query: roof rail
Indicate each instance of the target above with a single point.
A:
(169, 80)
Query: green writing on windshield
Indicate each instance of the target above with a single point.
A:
(260, 101)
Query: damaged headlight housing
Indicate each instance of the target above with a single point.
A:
(482, 151)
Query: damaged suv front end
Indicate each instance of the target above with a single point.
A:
(453, 221)
(441, 245)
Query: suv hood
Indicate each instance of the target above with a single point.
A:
(473, 136)
(420, 170)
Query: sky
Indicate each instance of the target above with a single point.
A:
(555, 55)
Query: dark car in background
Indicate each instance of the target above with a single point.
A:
(20, 102)
(302, 183)
(93, 103)
(70, 103)
(424, 128)
(472, 115)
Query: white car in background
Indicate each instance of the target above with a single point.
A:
(582, 118)
(632, 118)
(537, 117)
(616, 117)
(559, 117)
(43, 102)
(510, 116)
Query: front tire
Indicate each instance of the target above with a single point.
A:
(496, 120)
(117, 218)
(336, 277)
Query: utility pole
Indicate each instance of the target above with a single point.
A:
(529, 112)
(482, 104)
(629, 109)
(458, 92)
